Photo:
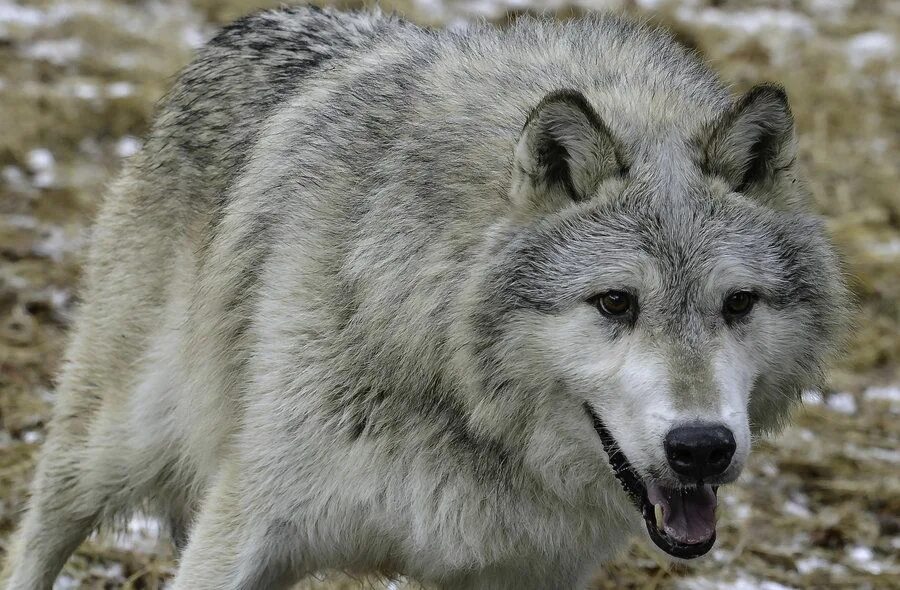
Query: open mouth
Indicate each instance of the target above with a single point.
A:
(681, 521)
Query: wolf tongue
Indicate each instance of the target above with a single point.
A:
(689, 515)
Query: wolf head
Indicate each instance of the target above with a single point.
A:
(662, 302)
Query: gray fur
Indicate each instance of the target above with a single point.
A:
(322, 331)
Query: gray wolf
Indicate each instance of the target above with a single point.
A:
(473, 306)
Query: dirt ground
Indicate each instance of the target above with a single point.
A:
(818, 507)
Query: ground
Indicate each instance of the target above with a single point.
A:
(817, 507)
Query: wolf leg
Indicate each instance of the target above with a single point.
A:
(231, 550)
(85, 474)
(62, 512)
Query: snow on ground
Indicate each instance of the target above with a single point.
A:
(887, 393)
(842, 402)
(739, 583)
(749, 22)
(128, 146)
(871, 46)
(141, 533)
(56, 51)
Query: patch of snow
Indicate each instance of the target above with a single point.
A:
(66, 582)
(55, 51)
(126, 60)
(458, 24)
(45, 394)
(742, 512)
(838, 569)
(23, 16)
(32, 437)
(16, 15)
(797, 506)
(127, 146)
(806, 435)
(831, 10)
(90, 146)
(843, 403)
(811, 397)
(864, 558)
(891, 394)
(872, 453)
(694, 584)
(749, 22)
(870, 46)
(651, 4)
(432, 8)
(483, 8)
(888, 249)
(795, 544)
(769, 468)
(55, 244)
(15, 281)
(113, 571)
(742, 582)
(20, 221)
(119, 89)
(193, 37)
(14, 178)
(40, 159)
(861, 553)
(44, 179)
(60, 299)
(41, 162)
(807, 565)
(85, 91)
(141, 533)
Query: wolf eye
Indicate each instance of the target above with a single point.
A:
(739, 304)
(614, 303)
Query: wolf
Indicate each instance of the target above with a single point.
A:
(472, 306)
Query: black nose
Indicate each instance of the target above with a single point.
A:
(699, 452)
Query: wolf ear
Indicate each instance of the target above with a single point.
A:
(753, 143)
(565, 151)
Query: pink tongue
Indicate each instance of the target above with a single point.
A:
(689, 515)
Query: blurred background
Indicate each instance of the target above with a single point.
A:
(818, 507)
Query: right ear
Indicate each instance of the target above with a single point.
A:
(564, 153)
(753, 146)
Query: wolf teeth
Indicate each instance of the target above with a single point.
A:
(657, 511)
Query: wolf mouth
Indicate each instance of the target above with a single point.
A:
(680, 521)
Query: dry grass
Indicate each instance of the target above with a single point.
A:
(819, 507)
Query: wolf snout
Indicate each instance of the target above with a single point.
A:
(700, 453)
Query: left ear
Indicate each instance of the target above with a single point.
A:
(754, 143)
(564, 152)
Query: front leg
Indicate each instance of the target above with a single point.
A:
(231, 548)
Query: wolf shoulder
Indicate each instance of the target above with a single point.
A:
(212, 116)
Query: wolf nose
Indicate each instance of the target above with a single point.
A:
(699, 452)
